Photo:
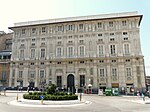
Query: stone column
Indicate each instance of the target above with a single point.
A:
(10, 75)
(26, 73)
(108, 78)
(36, 76)
(16, 75)
(47, 74)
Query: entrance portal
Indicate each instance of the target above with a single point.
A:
(70, 83)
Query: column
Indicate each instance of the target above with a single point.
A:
(10, 75)
(47, 74)
(25, 74)
(16, 75)
(36, 76)
(108, 79)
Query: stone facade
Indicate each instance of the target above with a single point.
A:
(97, 51)
(5, 55)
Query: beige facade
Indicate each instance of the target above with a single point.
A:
(99, 51)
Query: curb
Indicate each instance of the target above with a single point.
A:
(33, 103)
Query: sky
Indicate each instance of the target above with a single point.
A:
(12, 11)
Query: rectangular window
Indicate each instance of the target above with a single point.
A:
(33, 30)
(60, 28)
(3, 75)
(112, 50)
(70, 51)
(42, 53)
(126, 49)
(59, 51)
(43, 29)
(23, 31)
(32, 53)
(114, 72)
(81, 50)
(70, 27)
(21, 53)
(80, 26)
(59, 81)
(20, 74)
(124, 23)
(41, 73)
(111, 24)
(82, 80)
(91, 71)
(101, 72)
(101, 50)
(99, 25)
(128, 71)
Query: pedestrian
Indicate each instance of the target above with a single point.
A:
(143, 96)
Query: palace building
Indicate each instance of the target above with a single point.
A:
(97, 51)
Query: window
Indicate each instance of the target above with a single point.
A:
(58, 62)
(124, 23)
(21, 53)
(32, 63)
(82, 80)
(112, 39)
(70, 27)
(70, 51)
(100, 40)
(127, 60)
(33, 40)
(91, 71)
(101, 61)
(23, 31)
(33, 44)
(21, 64)
(59, 81)
(32, 53)
(125, 38)
(80, 26)
(43, 29)
(101, 50)
(126, 49)
(59, 37)
(113, 61)
(43, 39)
(70, 62)
(100, 34)
(125, 33)
(42, 53)
(81, 41)
(33, 30)
(112, 50)
(99, 25)
(20, 74)
(42, 63)
(114, 72)
(3, 75)
(81, 50)
(59, 51)
(111, 34)
(128, 72)
(41, 73)
(101, 72)
(59, 42)
(60, 28)
(111, 24)
(81, 61)
(22, 45)
(70, 42)
(32, 74)
(43, 44)
(70, 37)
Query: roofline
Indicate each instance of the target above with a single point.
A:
(141, 16)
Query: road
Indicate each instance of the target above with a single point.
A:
(99, 104)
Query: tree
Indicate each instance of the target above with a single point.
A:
(51, 89)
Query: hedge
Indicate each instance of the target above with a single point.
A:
(61, 96)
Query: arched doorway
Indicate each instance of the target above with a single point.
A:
(70, 83)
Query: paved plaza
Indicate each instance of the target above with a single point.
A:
(89, 103)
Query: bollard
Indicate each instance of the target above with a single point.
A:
(17, 97)
(80, 96)
(42, 101)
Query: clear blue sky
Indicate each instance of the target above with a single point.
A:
(12, 11)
